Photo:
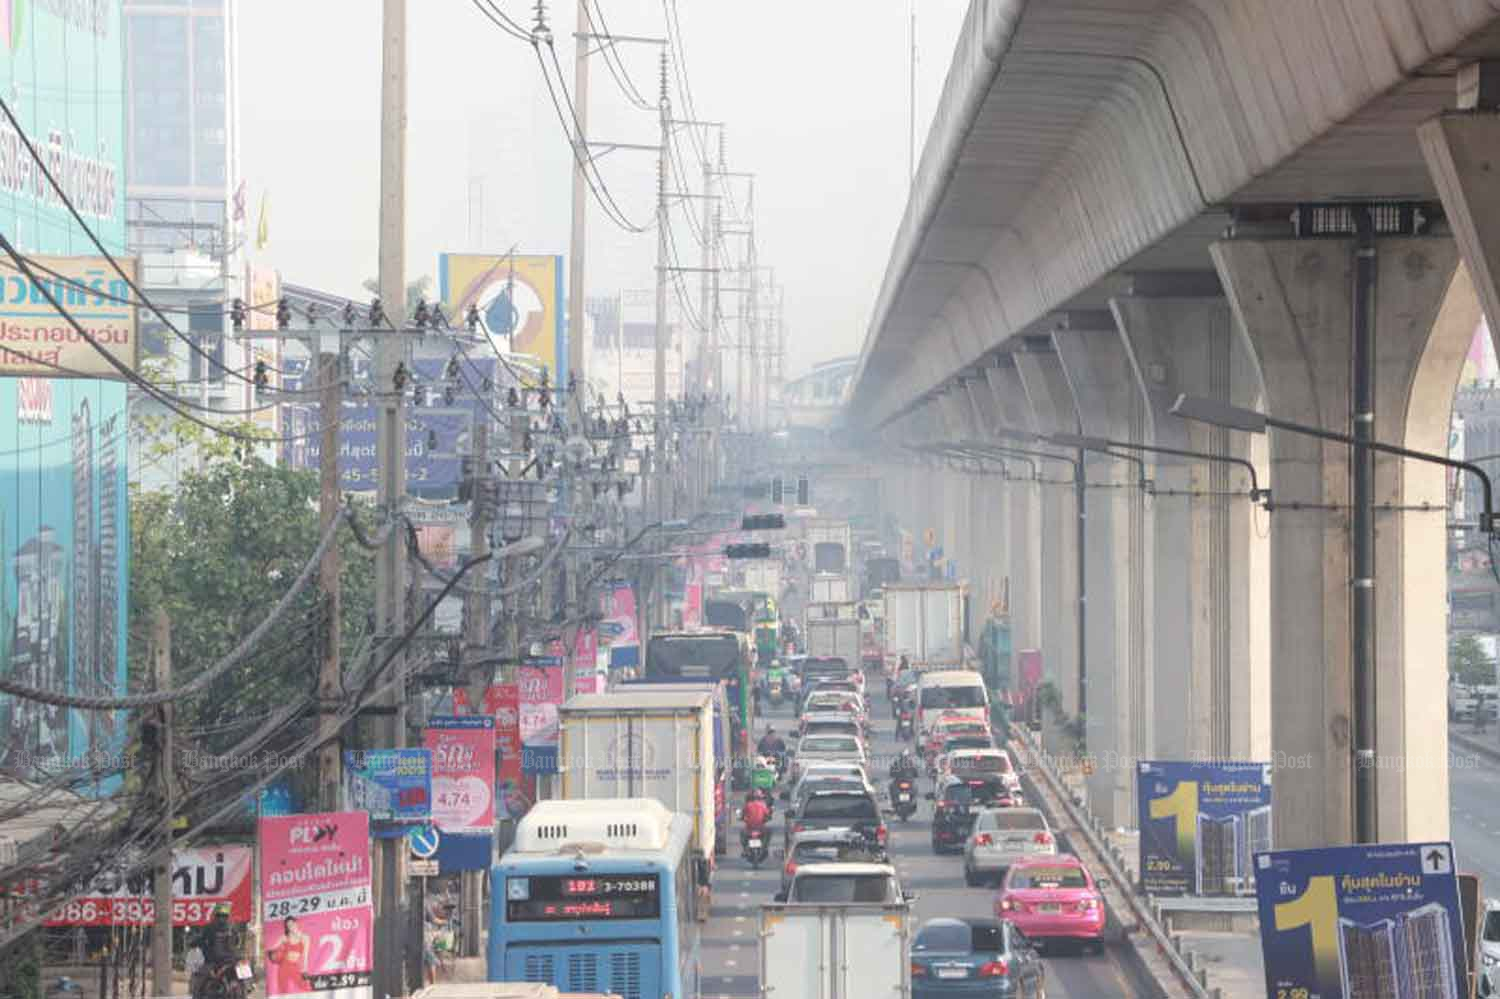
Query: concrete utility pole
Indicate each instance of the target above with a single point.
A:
(576, 243)
(476, 648)
(659, 419)
(161, 933)
(390, 566)
(330, 761)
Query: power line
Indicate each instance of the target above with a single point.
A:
(501, 20)
(612, 57)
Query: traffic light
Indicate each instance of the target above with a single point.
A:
(747, 551)
(763, 522)
(803, 492)
(776, 494)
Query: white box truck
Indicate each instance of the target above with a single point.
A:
(834, 636)
(924, 623)
(829, 588)
(830, 545)
(641, 743)
(835, 951)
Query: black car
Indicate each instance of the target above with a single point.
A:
(854, 810)
(958, 802)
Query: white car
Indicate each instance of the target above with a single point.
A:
(845, 884)
(829, 749)
(981, 762)
(1002, 836)
(1489, 948)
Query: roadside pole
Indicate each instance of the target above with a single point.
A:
(659, 381)
(330, 761)
(161, 933)
(392, 912)
(576, 244)
(476, 648)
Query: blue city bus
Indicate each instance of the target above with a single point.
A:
(598, 896)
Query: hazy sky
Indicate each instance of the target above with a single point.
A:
(814, 94)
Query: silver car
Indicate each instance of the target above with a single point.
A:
(1489, 948)
(1000, 837)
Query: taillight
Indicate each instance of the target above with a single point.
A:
(791, 868)
(797, 827)
(1006, 905)
(984, 839)
(880, 835)
(1087, 904)
(917, 970)
(1042, 838)
(994, 969)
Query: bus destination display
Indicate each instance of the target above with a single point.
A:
(591, 896)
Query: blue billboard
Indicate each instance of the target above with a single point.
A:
(1201, 823)
(393, 785)
(439, 425)
(64, 574)
(1348, 922)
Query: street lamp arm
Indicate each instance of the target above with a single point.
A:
(985, 447)
(1256, 493)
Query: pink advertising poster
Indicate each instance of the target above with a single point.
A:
(692, 598)
(463, 788)
(617, 607)
(315, 894)
(541, 691)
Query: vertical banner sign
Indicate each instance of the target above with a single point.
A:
(1201, 826)
(617, 628)
(586, 679)
(1352, 921)
(463, 789)
(502, 702)
(315, 894)
(541, 691)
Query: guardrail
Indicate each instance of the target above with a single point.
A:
(1194, 979)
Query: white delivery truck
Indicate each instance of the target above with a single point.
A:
(829, 588)
(839, 951)
(836, 637)
(924, 623)
(830, 545)
(763, 577)
(642, 743)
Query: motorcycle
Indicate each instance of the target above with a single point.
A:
(904, 798)
(775, 690)
(755, 845)
(904, 725)
(227, 981)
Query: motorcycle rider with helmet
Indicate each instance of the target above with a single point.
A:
(216, 941)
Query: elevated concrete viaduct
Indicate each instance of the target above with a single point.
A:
(1122, 202)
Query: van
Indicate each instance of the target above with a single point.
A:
(950, 693)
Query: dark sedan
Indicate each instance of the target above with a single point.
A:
(974, 957)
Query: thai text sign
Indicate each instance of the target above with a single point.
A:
(1201, 824)
(316, 903)
(202, 878)
(463, 789)
(36, 339)
(392, 785)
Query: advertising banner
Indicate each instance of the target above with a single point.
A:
(316, 905)
(38, 340)
(202, 878)
(463, 789)
(541, 691)
(503, 702)
(519, 299)
(1201, 825)
(64, 575)
(617, 627)
(1372, 920)
(438, 424)
(392, 785)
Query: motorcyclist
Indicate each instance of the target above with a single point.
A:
(771, 744)
(216, 942)
(904, 767)
(755, 815)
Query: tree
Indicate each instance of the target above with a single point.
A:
(1468, 663)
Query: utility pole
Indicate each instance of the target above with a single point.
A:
(390, 566)
(576, 245)
(659, 419)
(708, 382)
(911, 126)
(161, 933)
(330, 677)
(476, 647)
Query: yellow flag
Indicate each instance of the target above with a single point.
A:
(263, 228)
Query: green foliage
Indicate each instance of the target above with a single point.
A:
(21, 968)
(217, 554)
(1467, 662)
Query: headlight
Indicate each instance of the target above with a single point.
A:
(1490, 960)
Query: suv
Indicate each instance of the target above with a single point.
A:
(852, 810)
(828, 846)
(958, 804)
(845, 884)
(1002, 836)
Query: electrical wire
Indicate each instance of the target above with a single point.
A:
(611, 49)
(502, 20)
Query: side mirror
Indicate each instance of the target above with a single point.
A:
(739, 814)
(930, 796)
(1103, 883)
(911, 896)
(701, 872)
(779, 897)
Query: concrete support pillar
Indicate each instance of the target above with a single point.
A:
(1118, 722)
(1023, 527)
(1292, 299)
(989, 511)
(1053, 411)
(1211, 586)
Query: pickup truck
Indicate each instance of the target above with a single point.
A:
(835, 951)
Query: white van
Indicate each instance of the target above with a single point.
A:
(950, 693)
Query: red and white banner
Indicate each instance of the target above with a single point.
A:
(316, 903)
(202, 878)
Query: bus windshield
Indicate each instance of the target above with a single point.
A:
(966, 696)
(687, 655)
(725, 614)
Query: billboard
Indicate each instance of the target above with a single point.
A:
(316, 904)
(390, 785)
(520, 302)
(62, 71)
(463, 789)
(64, 573)
(1372, 920)
(202, 877)
(540, 683)
(1201, 823)
(439, 425)
(38, 340)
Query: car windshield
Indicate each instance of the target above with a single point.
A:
(958, 794)
(829, 744)
(1492, 925)
(967, 742)
(960, 938)
(843, 888)
(989, 763)
(830, 727)
(1012, 820)
(966, 696)
(1047, 877)
(838, 806)
(813, 853)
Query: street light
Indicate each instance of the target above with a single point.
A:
(1257, 494)
(1101, 446)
